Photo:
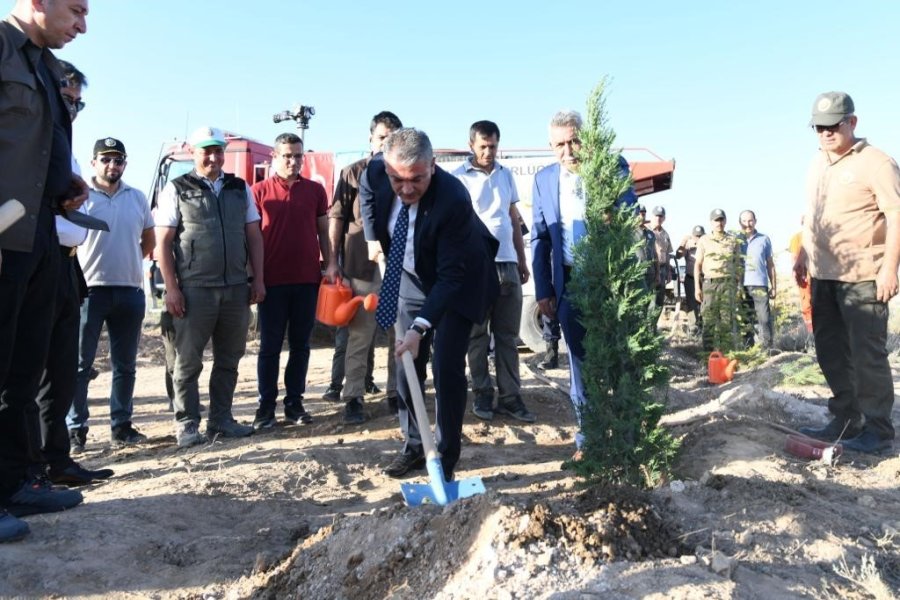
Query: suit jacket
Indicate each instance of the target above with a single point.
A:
(454, 251)
(546, 231)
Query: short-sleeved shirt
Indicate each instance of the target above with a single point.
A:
(689, 243)
(844, 230)
(345, 206)
(492, 194)
(114, 257)
(290, 213)
(718, 252)
(757, 252)
(663, 245)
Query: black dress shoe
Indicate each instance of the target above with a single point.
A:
(403, 463)
(833, 431)
(75, 475)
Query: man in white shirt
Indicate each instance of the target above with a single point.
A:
(113, 270)
(494, 197)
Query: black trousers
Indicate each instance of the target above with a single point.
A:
(28, 282)
(850, 327)
(49, 442)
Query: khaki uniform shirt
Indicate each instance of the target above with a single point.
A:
(663, 245)
(718, 252)
(844, 229)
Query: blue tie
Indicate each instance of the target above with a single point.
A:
(386, 313)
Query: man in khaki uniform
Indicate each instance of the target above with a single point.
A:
(663, 252)
(851, 249)
(717, 276)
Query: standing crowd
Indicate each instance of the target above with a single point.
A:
(444, 250)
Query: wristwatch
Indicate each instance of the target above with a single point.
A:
(418, 329)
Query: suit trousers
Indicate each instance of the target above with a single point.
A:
(28, 282)
(850, 328)
(573, 333)
(223, 315)
(49, 444)
(502, 322)
(409, 304)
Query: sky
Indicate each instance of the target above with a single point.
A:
(723, 88)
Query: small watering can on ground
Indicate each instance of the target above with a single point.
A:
(721, 370)
(337, 305)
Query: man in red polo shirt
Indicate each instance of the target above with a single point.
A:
(295, 229)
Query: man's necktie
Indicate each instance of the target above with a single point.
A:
(386, 313)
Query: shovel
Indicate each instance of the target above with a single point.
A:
(437, 491)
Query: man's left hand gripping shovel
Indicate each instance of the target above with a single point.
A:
(437, 491)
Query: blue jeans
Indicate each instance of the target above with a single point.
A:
(291, 308)
(122, 309)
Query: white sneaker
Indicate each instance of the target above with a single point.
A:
(188, 434)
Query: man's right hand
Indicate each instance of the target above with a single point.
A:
(175, 303)
(332, 272)
(374, 250)
(698, 294)
(801, 272)
(547, 307)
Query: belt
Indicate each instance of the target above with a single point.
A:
(712, 279)
(69, 251)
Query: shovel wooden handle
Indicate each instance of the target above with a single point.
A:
(415, 390)
(10, 211)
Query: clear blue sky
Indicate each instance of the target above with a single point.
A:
(724, 88)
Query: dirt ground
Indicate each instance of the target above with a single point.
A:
(304, 511)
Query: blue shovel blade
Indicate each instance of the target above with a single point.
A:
(417, 494)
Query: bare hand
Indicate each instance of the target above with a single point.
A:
(524, 273)
(885, 285)
(78, 193)
(409, 342)
(175, 303)
(332, 272)
(772, 292)
(698, 294)
(257, 291)
(801, 273)
(548, 307)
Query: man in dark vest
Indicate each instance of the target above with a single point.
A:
(208, 230)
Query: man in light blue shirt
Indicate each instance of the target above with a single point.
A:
(759, 278)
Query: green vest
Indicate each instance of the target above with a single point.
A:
(210, 241)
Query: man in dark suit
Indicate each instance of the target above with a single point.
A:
(446, 283)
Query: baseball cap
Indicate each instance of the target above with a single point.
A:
(698, 230)
(207, 136)
(642, 208)
(659, 211)
(831, 108)
(109, 146)
(717, 214)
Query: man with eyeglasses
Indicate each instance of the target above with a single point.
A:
(113, 269)
(36, 170)
(850, 255)
(294, 213)
(717, 277)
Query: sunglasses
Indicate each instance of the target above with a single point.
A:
(76, 105)
(829, 128)
(118, 161)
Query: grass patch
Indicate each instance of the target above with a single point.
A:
(802, 372)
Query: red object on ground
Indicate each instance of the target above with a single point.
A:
(813, 449)
(721, 370)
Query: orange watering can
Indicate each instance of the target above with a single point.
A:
(337, 305)
(721, 370)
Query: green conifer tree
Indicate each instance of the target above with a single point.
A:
(623, 440)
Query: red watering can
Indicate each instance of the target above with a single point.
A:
(337, 305)
(721, 370)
